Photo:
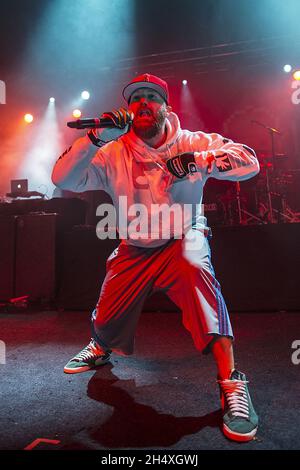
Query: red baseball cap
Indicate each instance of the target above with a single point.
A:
(147, 81)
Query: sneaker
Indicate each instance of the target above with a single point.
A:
(239, 418)
(92, 355)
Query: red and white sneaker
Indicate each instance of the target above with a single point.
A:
(91, 356)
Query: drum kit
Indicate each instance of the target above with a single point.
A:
(268, 200)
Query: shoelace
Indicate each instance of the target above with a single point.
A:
(236, 395)
(89, 352)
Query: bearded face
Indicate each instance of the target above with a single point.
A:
(150, 112)
(150, 126)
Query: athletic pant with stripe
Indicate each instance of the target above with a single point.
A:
(182, 269)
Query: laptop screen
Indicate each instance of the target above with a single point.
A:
(19, 186)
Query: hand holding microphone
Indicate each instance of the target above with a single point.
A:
(119, 118)
(110, 126)
(116, 118)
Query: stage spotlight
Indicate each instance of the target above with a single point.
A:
(296, 75)
(287, 68)
(28, 118)
(184, 82)
(76, 113)
(52, 100)
(85, 95)
(44, 141)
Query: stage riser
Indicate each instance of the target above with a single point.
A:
(258, 268)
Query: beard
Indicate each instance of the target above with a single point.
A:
(151, 130)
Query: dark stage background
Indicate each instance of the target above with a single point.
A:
(232, 54)
(53, 257)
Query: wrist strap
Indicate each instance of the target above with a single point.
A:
(94, 139)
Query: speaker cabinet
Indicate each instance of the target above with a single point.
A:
(7, 256)
(35, 256)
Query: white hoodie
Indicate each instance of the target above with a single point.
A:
(130, 169)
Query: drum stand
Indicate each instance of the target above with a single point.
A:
(243, 212)
(272, 131)
(269, 194)
(287, 214)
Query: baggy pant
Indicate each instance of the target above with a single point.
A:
(180, 268)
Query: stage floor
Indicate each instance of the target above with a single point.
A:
(165, 396)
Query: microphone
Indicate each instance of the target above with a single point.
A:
(92, 123)
(271, 129)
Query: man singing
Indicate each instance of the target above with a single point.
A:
(146, 158)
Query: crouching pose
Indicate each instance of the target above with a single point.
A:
(145, 159)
